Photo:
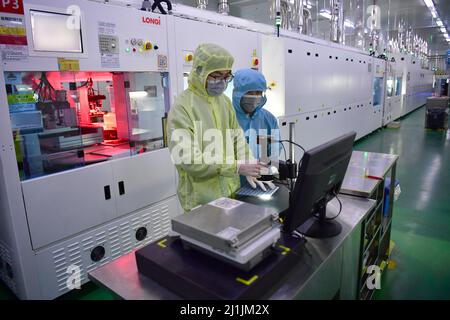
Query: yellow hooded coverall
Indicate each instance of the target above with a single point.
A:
(201, 182)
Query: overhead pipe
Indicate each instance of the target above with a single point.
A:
(359, 24)
(337, 21)
(297, 16)
(202, 4)
(223, 7)
(307, 22)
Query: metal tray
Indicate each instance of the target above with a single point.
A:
(225, 224)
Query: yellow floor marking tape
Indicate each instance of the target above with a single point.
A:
(247, 282)
(286, 250)
(162, 243)
(392, 264)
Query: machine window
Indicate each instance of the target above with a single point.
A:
(65, 120)
(398, 86)
(377, 91)
(390, 86)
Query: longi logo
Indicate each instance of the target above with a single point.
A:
(155, 21)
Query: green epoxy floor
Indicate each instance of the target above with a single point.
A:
(421, 226)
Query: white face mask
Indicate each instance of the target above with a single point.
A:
(216, 87)
(250, 102)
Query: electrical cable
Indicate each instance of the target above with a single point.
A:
(289, 185)
(295, 144)
(284, 149)
(286, 185)
(340, 208)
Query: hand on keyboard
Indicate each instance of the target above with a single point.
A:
(248, 190)
(254, 183)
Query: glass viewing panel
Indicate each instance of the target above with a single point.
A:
(65, 120)
(390, 86)
(377, 91)
(398, 86)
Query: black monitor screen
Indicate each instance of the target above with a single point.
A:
(319, 179)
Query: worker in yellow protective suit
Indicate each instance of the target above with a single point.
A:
(206, 142)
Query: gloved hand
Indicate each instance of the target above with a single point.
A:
(254, 182)
(249, 169)
(269, 170)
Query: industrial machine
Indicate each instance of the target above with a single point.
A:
(321, 90)
(394, 89)
(82, 110)
(441, 87)
(236, 232)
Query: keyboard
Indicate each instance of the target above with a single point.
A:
(248, 191)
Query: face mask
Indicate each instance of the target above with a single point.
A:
(216, 87)
(249, 103)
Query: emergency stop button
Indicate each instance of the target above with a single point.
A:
(148, 46)
(255, 62)
(189, 57)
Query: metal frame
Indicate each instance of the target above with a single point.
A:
(355, 184)
(38, 255)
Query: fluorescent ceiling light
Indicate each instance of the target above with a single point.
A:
(325, 13)
(429, 3)
(349, 24)
(439, 22)
(443, 29)
(138, 94)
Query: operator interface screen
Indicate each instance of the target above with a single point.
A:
(56, 32)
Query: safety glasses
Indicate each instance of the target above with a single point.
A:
(227, 78)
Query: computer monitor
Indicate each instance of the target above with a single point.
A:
(319, 180)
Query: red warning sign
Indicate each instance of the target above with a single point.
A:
(11, 6)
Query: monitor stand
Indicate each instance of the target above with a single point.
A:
(319, 227)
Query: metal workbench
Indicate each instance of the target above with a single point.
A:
(365, 172)
(365, 177)
(327, 270)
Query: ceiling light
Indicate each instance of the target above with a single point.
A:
(325, 13)
(349, 24)
(439, 22)
(429, 3)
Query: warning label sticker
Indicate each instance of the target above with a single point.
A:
(226, 203)
(13, 38)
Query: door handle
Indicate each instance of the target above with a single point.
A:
(107, 191)
(121, 188)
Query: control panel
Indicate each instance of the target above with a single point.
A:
(140, 46)
(117, 40)
(108, 44)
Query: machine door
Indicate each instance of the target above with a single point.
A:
(144, 179)
(63, 204)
